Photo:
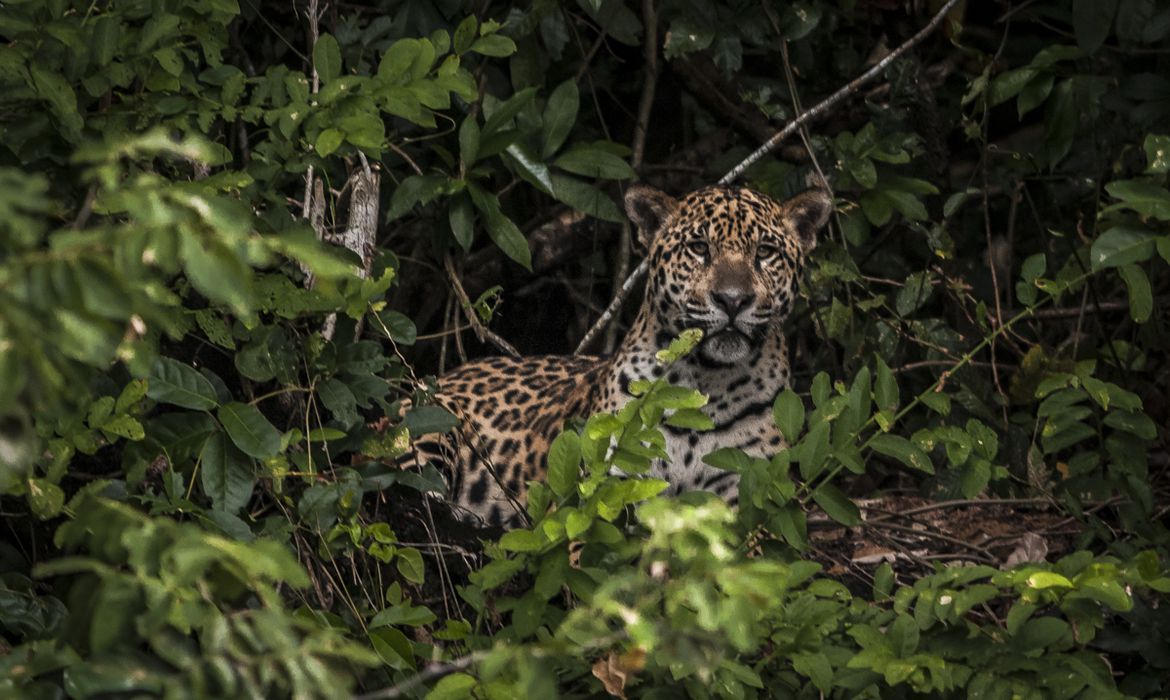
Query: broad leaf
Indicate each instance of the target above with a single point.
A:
(249, 429)
(175, 383)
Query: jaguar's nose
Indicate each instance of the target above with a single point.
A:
(733, 300)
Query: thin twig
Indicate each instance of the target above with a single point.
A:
(832, 100)
(631, 281)
(314, 34)
(641, 129)
(482, 332)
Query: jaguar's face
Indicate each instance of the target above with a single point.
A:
(725, 260)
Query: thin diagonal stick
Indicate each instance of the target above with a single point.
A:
(831, 101)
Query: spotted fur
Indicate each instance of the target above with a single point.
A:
(725, 260)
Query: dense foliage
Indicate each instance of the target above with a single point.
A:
(194, 478)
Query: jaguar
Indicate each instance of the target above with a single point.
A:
(725, 260)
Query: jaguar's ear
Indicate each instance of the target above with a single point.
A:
(648, 210)
(807, 213)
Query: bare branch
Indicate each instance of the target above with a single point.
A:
(831, 101)
(482, 332)
(631, 281)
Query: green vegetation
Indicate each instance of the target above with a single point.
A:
(193, 498)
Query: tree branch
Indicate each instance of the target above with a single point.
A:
(831, 101)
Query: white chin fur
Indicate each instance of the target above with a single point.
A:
(726, 348)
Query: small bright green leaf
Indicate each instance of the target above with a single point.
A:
(1048, 579)
(456, 686)
(328, 141)
(494, 45)
(45, 499)
(410, 564)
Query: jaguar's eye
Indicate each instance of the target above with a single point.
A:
(699, 248)
(766, 251)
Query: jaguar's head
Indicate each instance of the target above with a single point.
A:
(725, 260)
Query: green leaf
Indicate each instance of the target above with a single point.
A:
(494, 45)
(586, 198)
(124, 426)
(500, 228)
(392, 647)
(1048, 579)
(416, 189)
(465, 34)
(591, 161)
(107, 32)
(792, 524)
(914, 293)
(398, 59)
(226, 474)
(410, 564)
(1146, 198)
(217, 272)
(45, 499)
(456, 686)
(902, 450)
(131, 394)
(885, 391)
(175, 383)
(1141, 296)
(1157, 149)
(502, 113)
(249, 429)
(522, 541)
(836, 504)
(328, 141)
(402, 329)
(788, 414)
(461, 216)
(423, 420)
(798, 20)
(468, 141)
(529, 168)
(409, 615)
(1121, 245)
(690, 419)
(55, 90)
(564, 463)
(340, 401)
(1092, 20)
(327, 58)
(559, 116)
(813, 450)
(1009, 84)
